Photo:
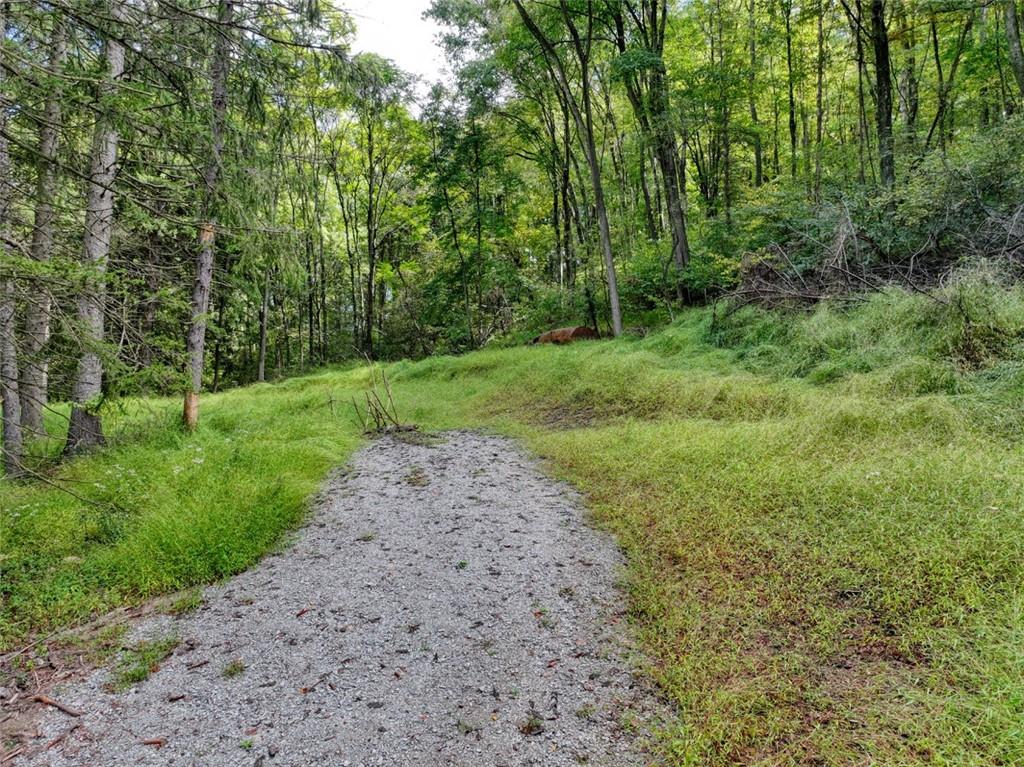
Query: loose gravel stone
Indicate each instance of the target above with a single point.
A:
(446, 604)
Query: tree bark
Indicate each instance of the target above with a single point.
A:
(196, 343)
(9, 399)
(35, 368)
(85, 429)
(371, 240)
(12, 437)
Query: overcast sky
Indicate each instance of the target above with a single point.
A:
(396, 30)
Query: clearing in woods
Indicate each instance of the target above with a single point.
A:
(446, 604)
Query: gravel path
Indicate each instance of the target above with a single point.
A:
(446, 605)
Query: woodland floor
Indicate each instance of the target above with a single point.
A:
(445, 604)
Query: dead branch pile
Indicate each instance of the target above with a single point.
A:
(379, 415)
(852, 264)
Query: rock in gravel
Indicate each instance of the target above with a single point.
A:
(469, 617)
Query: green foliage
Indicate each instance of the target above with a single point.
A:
(966, 337)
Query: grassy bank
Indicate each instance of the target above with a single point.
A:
(823, 513)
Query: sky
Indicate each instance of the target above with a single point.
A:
(396, 29)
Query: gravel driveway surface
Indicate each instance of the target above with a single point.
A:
(445, 605)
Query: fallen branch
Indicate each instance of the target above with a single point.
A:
(48, 701)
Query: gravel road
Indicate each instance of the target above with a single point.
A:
(446, 604)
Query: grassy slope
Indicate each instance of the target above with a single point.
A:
(821, 572)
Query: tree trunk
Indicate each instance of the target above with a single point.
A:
(883, 91)
(908, 83)
(645, 190)
(9, 399)
(1016, 51)
(208, 227)
(85, 429)
(672, 180)
(789, 82)
(12, 437)
(264, 310)
(752, 96)
(37, 312)
(819, 117)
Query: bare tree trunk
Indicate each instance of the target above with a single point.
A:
(85, 429)
(752, 96)
(883, 91)
(1013, 39)
(789, 82)
(819, 103)
(11, 402)
(208, 228)
(12, 452)
(264, 311)
(371, 241)
(945, 84)
(35, 367)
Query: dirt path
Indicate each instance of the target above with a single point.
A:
(446, 605)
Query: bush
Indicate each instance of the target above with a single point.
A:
(925, 343)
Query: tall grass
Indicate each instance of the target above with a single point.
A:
(823, 512)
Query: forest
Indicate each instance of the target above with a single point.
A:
(202, 197)
(797, 227)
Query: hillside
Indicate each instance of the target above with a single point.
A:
(821, 516)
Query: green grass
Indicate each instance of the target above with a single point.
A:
(825, 567)
(233, 669)
(137, 663)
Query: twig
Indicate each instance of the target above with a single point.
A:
(48, 701)
(56, 741)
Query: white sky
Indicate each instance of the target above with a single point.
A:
(396, 29)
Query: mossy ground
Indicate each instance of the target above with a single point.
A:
(823, 513)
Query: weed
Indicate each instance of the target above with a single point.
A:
(533, 724)
(234, 668)
(465, 728)
(543, 617)
(137, 663)
(417, 477)
(191, 600)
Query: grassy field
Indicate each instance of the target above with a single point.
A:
(823, 513)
